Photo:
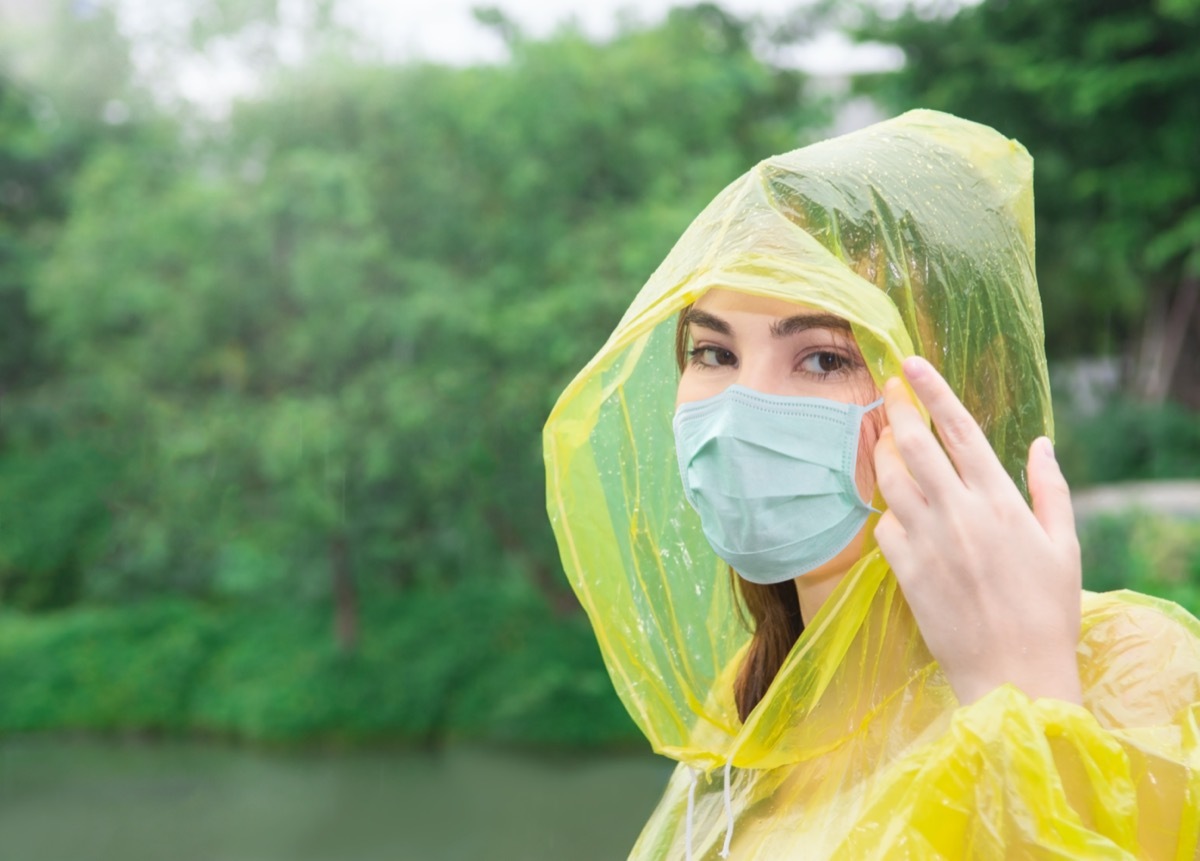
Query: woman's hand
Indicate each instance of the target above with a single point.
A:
(994, 586)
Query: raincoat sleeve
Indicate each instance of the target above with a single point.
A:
(1116, 778)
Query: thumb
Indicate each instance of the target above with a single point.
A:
(1049, 492)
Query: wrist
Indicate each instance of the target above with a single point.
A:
(1058, 680)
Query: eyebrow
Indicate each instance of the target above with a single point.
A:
(705, 320)
(800, 322)
(779, 329)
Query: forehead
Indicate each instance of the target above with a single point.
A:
(718, 300)
(732, 301)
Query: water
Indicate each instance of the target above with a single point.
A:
(106, 801)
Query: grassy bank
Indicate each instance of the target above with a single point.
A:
(476, 663)
(481, 662)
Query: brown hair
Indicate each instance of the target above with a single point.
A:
(775, 619)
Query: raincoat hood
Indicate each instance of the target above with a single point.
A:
(919, 232)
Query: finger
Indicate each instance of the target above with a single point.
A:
(923, 456)
(897, 486)
(892, 539)
(1049, 492)
(961, 436)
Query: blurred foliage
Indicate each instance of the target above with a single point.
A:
(74, 54)
(1127, 440)
(53, 528)
(1104, 97)
(40, 152)
(273, 375)
(326, 332)
(299, 358)
(1147, 553)
(485, 663)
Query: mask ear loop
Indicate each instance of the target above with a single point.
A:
(728, 811)
(875, 404)
(691, 812)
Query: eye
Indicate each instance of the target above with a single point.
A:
(824, 362)
(712, 357)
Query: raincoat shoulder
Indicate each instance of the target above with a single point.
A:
(1118, 778)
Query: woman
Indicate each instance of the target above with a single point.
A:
(924, 678)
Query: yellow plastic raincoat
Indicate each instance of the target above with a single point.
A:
(919, 232)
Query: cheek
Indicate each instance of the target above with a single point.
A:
(683, 392)
(864, 473)
(695, 386)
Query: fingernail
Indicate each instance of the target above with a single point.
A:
(1047, 447)
(914, 367)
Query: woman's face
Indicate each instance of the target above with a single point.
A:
(781, 348)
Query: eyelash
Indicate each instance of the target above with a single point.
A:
(846, 362)
(697, 352)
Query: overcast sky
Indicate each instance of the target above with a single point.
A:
(445, 29)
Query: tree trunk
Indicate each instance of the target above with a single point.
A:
(548, 580)
(345, 597)
(1168, 325)
(1185, 389)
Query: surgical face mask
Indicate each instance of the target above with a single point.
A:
(772, 478)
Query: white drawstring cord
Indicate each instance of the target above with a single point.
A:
(728, 811)
(691, 811)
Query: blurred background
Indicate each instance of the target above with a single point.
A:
(287, 289)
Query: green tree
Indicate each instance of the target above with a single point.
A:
(73, 56)
(53, 479)
(320, 340)
(1104, 96)
(32, 163)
